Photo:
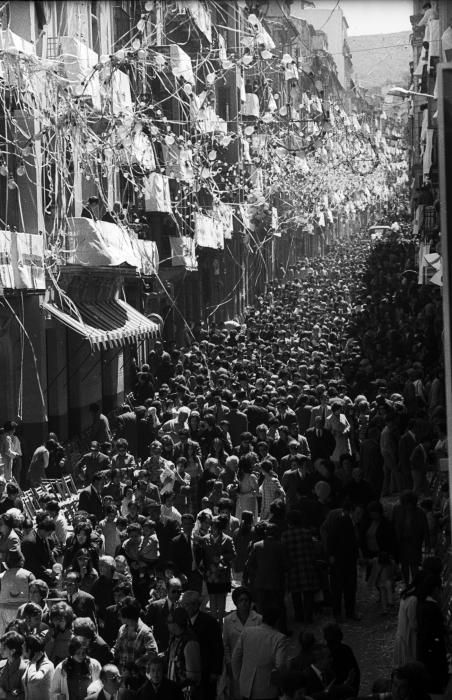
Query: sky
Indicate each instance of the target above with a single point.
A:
(373, 16)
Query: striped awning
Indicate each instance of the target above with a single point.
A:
(107, 324)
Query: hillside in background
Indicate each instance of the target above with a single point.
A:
(381, 59)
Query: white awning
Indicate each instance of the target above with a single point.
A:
(108, 323)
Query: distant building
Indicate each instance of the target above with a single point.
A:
(335, 26)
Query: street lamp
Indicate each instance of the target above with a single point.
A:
(401, 92)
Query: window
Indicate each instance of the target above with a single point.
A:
(95, 43)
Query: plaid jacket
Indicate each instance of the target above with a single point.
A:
(302, 574)
(137, 647)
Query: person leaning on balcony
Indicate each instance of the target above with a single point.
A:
(116, 215)
(91, 208)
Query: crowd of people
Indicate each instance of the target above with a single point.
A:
(247, 469)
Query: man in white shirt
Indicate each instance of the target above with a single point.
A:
(9, 452)
(61, 526)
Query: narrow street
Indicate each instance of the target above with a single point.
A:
(225, 349)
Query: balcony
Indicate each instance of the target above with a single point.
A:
(104, 245)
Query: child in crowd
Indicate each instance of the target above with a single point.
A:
(149, 551)
(383, 575)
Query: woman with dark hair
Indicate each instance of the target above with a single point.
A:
(278, 511)
(167, 448)
(12, 671)
(81, 539)
(56, 456)
(218, 451)
(73, 675)
(83, 564)
(39, 672)
(248, 488)
(39, 592)
(431, 634)
(96, 647)
(215, 554)
(242, 539)
(210, 474)
(184, 656)
(233, 625)
(194, 421)
(59, 635)
(378, 535)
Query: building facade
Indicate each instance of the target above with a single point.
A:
(160, 163)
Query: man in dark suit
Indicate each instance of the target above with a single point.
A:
(320, 440)
(181, 553)
(208, 633)
(303, 412)
(267, 566)
(111, 620)
(340, 537)
(90, 499)
(256, 414)
(38, 555)
(81, 603)
(316, 678)
(297, 481)
(156, 615)
(127, 428)
(238, 422)
(166, 529)
(157, 687)
(323, 410)
(91, 462)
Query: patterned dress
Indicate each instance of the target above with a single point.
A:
(247, 496)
